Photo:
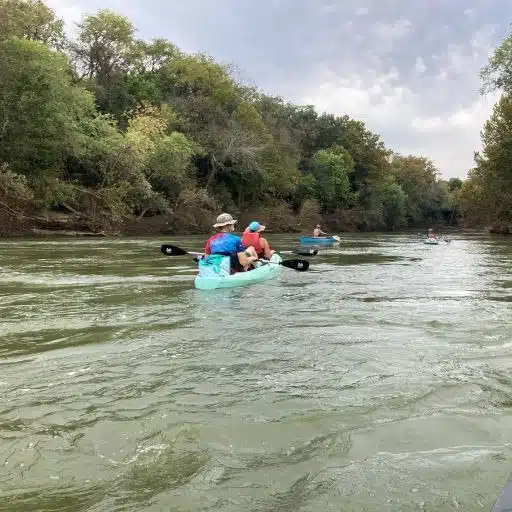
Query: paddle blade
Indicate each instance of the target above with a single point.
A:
(172, 250)
(299, 265)
(306, 252)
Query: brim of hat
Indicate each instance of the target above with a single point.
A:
(261, 228)
(222, 224)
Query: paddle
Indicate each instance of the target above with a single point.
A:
(298, 265)
(173, 250)
(302, 252)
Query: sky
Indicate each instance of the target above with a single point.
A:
(408, 68)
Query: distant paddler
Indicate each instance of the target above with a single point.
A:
(431, 234)
(317, 232)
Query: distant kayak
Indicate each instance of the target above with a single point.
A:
(218, 276)
(309, 240)
(431, 241)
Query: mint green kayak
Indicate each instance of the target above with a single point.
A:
(216, 276)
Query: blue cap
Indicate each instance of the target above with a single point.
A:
(255, 226)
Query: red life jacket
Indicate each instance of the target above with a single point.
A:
(252, 239)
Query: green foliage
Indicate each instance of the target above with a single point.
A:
(418, 178)
(128, 127)
(13, 187)
(30, 19)
(497, 74)
(394, 202)
(40, 108)
(454, 184)
(487, 195)
(330, 170)
(169, 167)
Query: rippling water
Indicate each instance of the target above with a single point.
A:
(380, 380)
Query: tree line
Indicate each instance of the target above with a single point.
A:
(486, 196)
(113, 130)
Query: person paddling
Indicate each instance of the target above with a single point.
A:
(226, 244)
(252, 238)
(431, 234)
(317, 232)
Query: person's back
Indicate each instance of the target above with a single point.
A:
(227, 244)
(223, 243)
(317, 232)
(252, 238)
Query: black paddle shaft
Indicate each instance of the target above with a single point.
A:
(298, 265)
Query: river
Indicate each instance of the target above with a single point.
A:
(379, 380)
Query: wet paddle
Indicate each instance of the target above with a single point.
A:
(302, 252)
(298, 265)
(174, 250)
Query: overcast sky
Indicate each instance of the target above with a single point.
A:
(407, 68)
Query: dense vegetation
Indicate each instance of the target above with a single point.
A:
(486, 196)
(116, 132)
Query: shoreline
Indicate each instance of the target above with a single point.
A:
(44, 224)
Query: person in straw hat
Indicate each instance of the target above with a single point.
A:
(227, 244)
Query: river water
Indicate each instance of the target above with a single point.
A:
(379, 380)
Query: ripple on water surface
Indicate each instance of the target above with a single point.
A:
(379, 380)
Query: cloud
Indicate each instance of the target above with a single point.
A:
(409, 70)
(427, 116)
(419, 65)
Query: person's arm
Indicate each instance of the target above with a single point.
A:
(207, 248)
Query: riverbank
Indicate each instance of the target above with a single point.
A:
(189, 221)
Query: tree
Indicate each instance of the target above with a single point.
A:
(31, 19)
(136, 127)
(102, 54)
(40, 109)
(418, 177)
(488, 189)
(454, 184)
(151, 56)
(371, 158)
(394, 201)
(330, 170)
(497, 74)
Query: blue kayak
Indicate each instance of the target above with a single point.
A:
(324, 240)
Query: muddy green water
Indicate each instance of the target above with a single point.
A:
(380, 380)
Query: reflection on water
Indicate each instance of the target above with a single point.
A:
(379, 380)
